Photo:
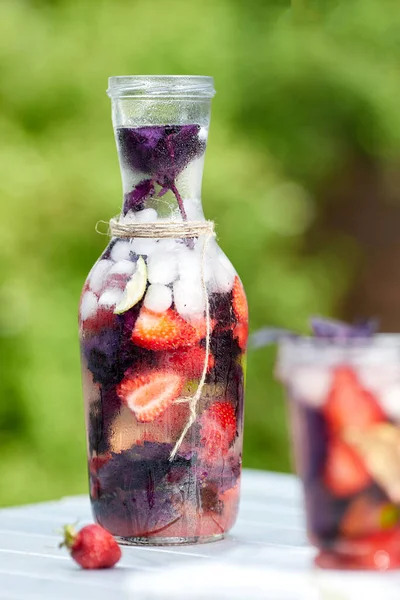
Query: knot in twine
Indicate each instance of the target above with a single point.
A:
(184, 230)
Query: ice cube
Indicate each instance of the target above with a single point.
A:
(148, 215)
(189, 264)
(189, 298)
(310, 384)
(203, 134)
(88, 305)
(167, 244)
(110, 297)
(158, 298)
(130, 217)
(220, 274)
(210, 260)
(220, 280)
(145, 246)
(122, 267)
(121, 250)
(162, 267)
(389, 399)
(98, 275)
(378, 377)
(383, 380)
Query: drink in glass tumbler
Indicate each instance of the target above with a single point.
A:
(344, 406)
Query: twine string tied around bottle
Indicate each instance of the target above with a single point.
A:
(160, 229)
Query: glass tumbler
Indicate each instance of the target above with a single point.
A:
(344, 410)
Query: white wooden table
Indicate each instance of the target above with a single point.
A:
(265, 556)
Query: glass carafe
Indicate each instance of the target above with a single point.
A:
(163, 331)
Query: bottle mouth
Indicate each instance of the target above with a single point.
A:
(161, 86)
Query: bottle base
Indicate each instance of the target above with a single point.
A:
(167, 541)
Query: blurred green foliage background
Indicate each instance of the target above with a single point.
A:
(301, 177)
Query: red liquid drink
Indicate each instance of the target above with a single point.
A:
(163, 329)
(344, 406)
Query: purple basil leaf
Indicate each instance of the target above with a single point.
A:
(134, 200)
(268, 336)
(331, 329)
(321, 328)
(223, 477)
(161, 152)
(163, 191)
(101, 352)
(110, 351)
(134, 468)
(143, 488)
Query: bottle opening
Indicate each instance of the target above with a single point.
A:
(180, 86)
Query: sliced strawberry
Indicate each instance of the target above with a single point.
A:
(239, 302)
(165, 331)
(366, 515)
(94, 489)
(95, 464)
(102, 319)
(241, 333)
(149, 394)
(345, 473)
(218, 430)
(223, 414)
(97, 461)
(230, 500)
(349, 404)
(378, 551)
(188, 361)
(215, 444)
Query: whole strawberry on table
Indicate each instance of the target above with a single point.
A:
(92, 547)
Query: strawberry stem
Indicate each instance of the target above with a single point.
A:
(69, 537)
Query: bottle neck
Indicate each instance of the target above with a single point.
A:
(162, 168)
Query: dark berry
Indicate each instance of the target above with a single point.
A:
(221, 310)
